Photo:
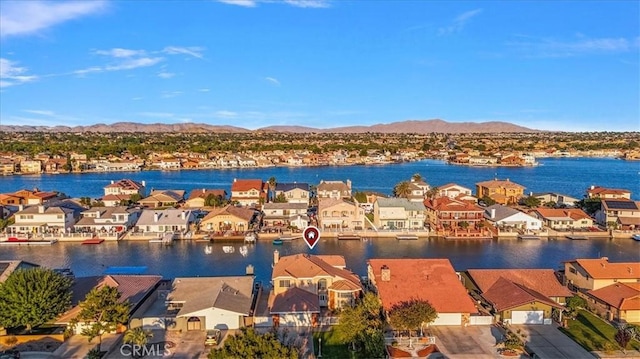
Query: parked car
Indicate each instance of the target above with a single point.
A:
(213, 337)
(10, 354)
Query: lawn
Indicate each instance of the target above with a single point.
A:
(593, 333)
(331, 346)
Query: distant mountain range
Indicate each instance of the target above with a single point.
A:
(414, 126)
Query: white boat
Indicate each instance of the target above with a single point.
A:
(250, 237)
(636, 237)
(208, 250)
(228, 249)
(244, 251)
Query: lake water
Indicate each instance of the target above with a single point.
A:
(571, 176)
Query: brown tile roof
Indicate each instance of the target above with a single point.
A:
(541, 280)
(434, 280)
(204, 193)
(447, 204)
(295, 300)
(126, 184)
(344, 285)
(240, 212)
(117, 197)
(397, 353)
(325, 203)
(505, 294)
(623, 296)
(332, 186)
(598, 191)
(310, 266)
(602, 269)
(233, 293)
(499, 184)
(246, 185)
(573, 213)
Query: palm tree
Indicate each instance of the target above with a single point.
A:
(137, 336)
(416, 177)
(402, 189)
(432, 192)
(272, 187)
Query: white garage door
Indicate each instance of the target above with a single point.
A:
(448, 319)
(527, 317)
(295, 320)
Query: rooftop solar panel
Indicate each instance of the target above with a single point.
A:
(622, 204)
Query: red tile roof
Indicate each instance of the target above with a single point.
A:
(241, 185)
(602, 269)
(446, 204)
(573, 213)
(540, 280)
(504, 294)
(434, 280)
(499, 184)
(204, 193)
(623, 296)
(310, 266)
(240, 212)
(597, 191)
(126, 184)
(295, 300)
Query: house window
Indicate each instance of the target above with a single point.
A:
(344, 295)
(59, 216)
(285, 283)
(572, 270)
(322, 284)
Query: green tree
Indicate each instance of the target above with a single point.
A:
(574, 304)
(411, 315)
(464, 224)
(589, 205)
(360, 197)
(623, 336)
(402, 189)
(362, 326)
(102, 311)
(351, 325)
(137, 336)
(134, 198)
(32, 297)
(550, 204)
(280, 198)
(432, 192)
(531, 201)
(488, 200)
(68, 166)
(272, 187)
(416, 177)
(249, 344)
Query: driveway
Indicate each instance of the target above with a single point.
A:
(471, 342)
(547, 342)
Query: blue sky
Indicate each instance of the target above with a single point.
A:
(252, 63)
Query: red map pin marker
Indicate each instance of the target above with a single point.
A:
(311, 236)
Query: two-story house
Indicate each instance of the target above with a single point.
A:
(107, 220)
(7, 166)
(163, 198)
(228, 218)
(503, 216)
(453, 191)
(30, 166)
(617, 302)
(28, 197)
(560, 200)
(501, 191)
(623, 213)
(591, 274)
(445, 213)
(433, 280)
(340, 214)
(608, 193)
(334, 189)
(294, 192)
(167, 220)
(398, 213)
(283, 215)
(118, 191)
(248, 192)
(198, 197)
(304, 283)
(43, 219)
(563, 218)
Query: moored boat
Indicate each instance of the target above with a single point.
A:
(636, 237)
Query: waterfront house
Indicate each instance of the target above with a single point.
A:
(340, 214)
(618, 302)
(248, 192)
(138, 290)
(445, 213)
(304, 283)
(198, 197)
(42, 219)
(107, 220)
(398, 213)
(199, 304)
(30, 166)
(118, 192)
(560, 200)
(519, 296)
(619, 213)
(563, 218)
(284, 215)
(7, 166)
(166, 220)
(8, 267)
(503, 216)
(28, 197)
(334, 189)
(454, 191)
(109, 166)
(608, 193)
(294, 192)
(229, 218)
(592, 274)
(501, 191)
(163, 198)
(433, 280)
(482, 161)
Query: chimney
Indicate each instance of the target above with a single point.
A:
(349, 183)
(385, 273)
(204, 191)
(21, 207)
(40, 209)
(144, 183)
(183, 215)
(493, 213)
(593, 187)
(530, 193)
(630, 270)
(276, 257)
(249, 270)
(97, 214)
(235, 180)
(156, 216)
(112, 182)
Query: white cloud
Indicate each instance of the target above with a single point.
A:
(243, 3)
(296, 3)
(134, 63)
(11, 75)
(459, 22)
(29, 17)
(166, 75)
(273, 80)
(194, 51)
(41, 112)
(204, 90)
(308, 3)
(119, 52)
(536, 47)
